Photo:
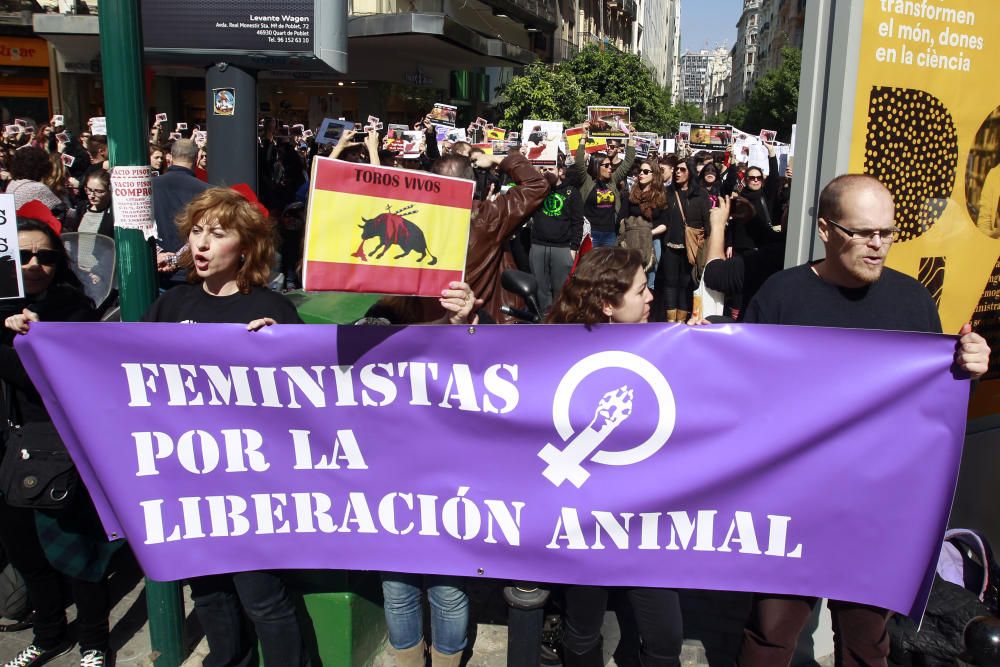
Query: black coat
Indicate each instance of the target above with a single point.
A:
(171, 193)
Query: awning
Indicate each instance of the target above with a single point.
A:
(435, 39)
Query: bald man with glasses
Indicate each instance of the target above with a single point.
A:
(851, 288)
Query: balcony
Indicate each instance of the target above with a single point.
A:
(537, 13)
(631, 9)
(565, 50)
(371, 7)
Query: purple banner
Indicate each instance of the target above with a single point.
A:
(755, 458)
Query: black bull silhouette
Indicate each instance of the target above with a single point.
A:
(393, 229)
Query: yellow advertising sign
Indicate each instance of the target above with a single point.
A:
(927, 124)
(23, 52)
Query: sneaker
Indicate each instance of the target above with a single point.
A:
(95, 658)
(33, 655)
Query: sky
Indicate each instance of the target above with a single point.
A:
(711, 21)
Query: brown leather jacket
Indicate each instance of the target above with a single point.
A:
(493, 223)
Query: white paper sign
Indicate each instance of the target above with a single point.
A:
(11, 283)
(132, 198)
(99, 126)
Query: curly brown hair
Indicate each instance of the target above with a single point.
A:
(232, 211)
(603, 277)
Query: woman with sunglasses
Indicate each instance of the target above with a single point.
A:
(52, 294)
(645, 212)
(598, 184)
(609, 286)
(687, 221)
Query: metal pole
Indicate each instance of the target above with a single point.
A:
(128, 141)
(232, 129)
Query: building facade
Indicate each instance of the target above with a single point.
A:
(403, 55)
(744, 53)
(720, 73)
(656, 38)
(705, 78)
(782, 24)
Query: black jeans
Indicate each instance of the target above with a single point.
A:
(218, 600)
(45, 590)
(657, 615)
(673, 279)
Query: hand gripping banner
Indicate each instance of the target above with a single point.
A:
(756, 458)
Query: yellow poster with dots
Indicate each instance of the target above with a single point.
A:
(927, 124)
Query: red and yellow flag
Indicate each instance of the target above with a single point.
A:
(384, 231)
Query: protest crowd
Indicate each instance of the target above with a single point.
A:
(614, 225)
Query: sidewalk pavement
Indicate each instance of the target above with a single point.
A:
(713, 621)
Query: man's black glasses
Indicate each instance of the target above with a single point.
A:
(886, 235)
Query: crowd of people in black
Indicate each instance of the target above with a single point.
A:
(610, 237)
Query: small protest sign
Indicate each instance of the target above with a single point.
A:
(331, 129)
(609, 122)
(643, 146)
(11, 282)
(413, 144)
(161, 118)
(58, 120)
(385, 230)
(541, 140)
(496, 134)
(710, 137)
(181, 127)
(444, 114)
(99, 126)
(68, 160)
(593, 144)
(768, 136)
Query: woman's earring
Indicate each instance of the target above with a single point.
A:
(243, 258)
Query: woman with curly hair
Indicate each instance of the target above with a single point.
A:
(609, 285)
(229, 255)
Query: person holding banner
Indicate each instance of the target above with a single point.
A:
(228, 263)
(609, 286)
(851, 288)
(598, 183)
(37, 541)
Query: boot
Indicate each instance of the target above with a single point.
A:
(411, 657)
(592, 658)
(682, 316)
(442, 660)
(671, 315)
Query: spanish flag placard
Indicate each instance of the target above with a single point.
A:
(384, 231)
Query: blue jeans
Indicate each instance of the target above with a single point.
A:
(404, 612)
(603, 239)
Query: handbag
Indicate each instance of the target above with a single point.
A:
(694, 239)
(636, 233)
(37, 471)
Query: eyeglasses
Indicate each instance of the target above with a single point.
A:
(605, 165)
(755, 178)
(680, 170)
(645, 171)
(885, 235)
(45, 257)
(92, 191)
